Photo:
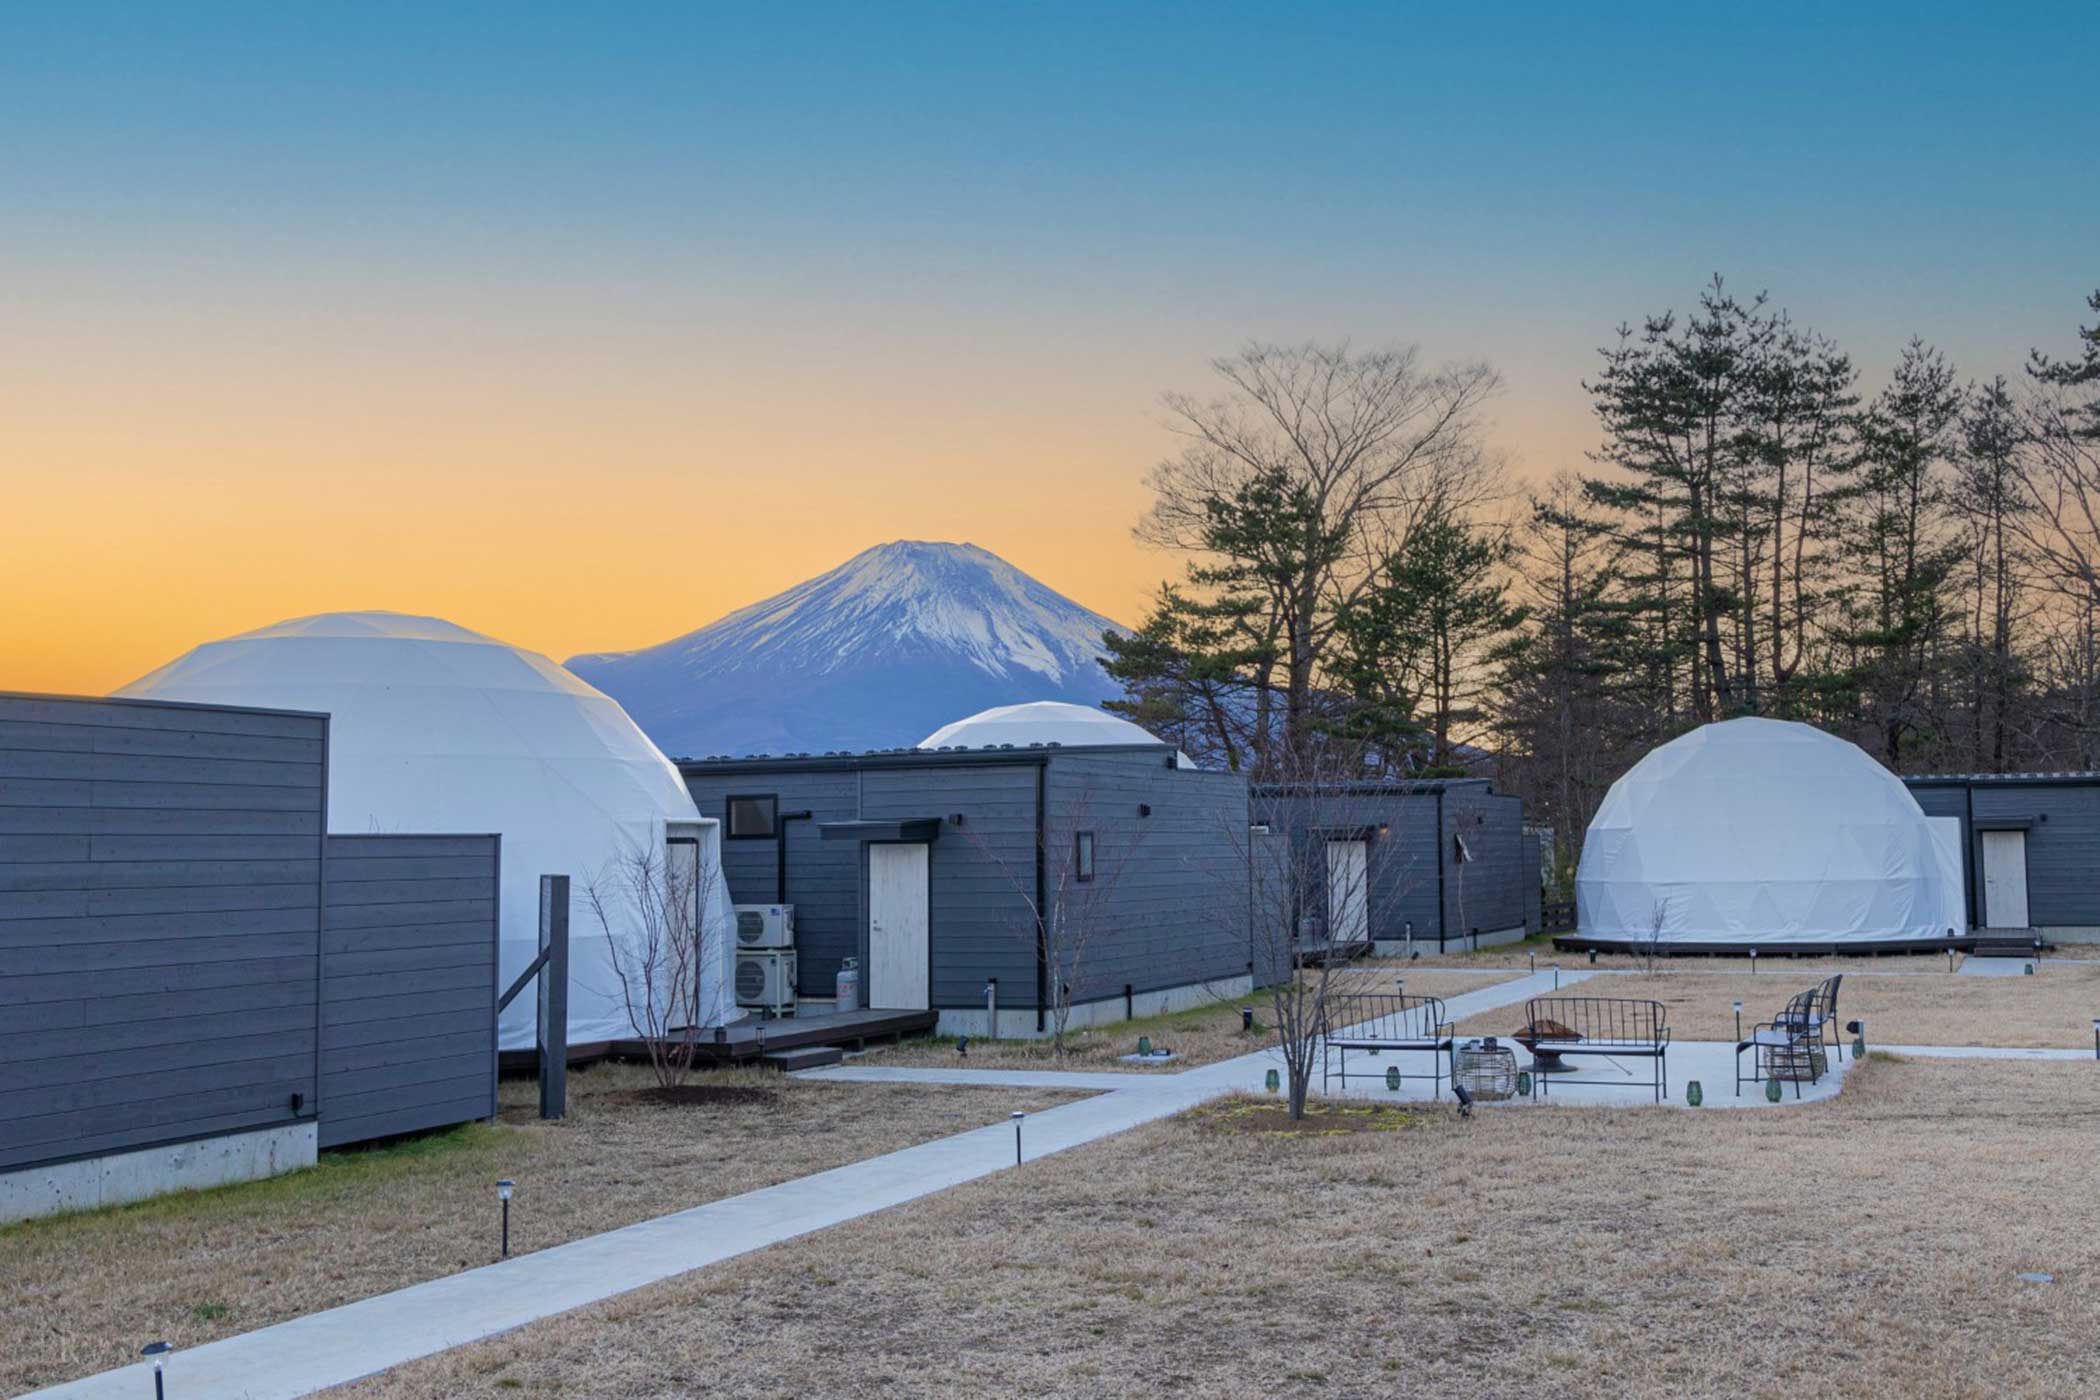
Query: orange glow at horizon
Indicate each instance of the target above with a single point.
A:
(154, 502)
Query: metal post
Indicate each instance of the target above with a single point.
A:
(1018, 1116)
(1556, 977)
(554, 997)
(160, 1352)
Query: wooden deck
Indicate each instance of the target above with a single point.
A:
(746, 1040)
(742, 1043)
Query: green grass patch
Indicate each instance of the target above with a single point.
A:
(337, 1173)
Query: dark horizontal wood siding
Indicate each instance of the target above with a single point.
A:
(981, 875)
(408, 984)
(2062, 820)
(160, 892)
(1487, 892)
(1170, 903)
(1417, 883)
(823, 876)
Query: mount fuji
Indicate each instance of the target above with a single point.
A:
(877, 653)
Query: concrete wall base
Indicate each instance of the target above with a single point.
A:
(1456, 943)
(2071, 933)
(1018, 1022)
(155, 1171)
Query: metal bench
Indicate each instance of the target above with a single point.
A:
(1793, 1039)
(1611, 1028)
(1374, 1022)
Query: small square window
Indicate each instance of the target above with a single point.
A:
(753, 818)
(1083, 855)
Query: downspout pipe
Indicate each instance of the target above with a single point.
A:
(1042, 932)
(780, 873)
(780, 852)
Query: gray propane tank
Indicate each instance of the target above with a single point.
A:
(849, 985)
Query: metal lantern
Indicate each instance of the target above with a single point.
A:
(1693, 1094)
(1271, 1081)
(1523, 1083)
(1144, 1045)
(159, 1351)
(1392, 1077)
(1772, 1090)
(503, 1190)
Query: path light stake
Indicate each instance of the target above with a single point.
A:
(1593, 957)
(1556, 977)
(1859, 1037)
(1739, 1023)
(1753, 962)
(159, 1351)
(1534, 960)
(1247, 1018)
(1018, 1116)
(503, 1190)
(2096, 1037)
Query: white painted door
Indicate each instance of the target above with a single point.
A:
(1348, 891)
(899, 965)
(2005, 879)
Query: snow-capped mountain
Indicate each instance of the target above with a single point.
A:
(879, 652)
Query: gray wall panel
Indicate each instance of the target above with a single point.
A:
(408, 1038)
(159, 918)
(1173, 907)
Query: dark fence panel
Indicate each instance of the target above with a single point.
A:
(408, 984)
(160, 876)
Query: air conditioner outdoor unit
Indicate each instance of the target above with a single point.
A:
(766, 980)
(765, 926)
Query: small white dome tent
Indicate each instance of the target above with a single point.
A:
(1042, 722)
(435, 728)
(1759, 832)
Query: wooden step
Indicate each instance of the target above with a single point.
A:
(803, 1057)
(2003, 948)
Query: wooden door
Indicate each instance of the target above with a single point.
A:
(900, 962)
(2005, 879)
(1348, 891)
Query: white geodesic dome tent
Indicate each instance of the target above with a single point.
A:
(1762, 832)
(1042, 722)
(434, 728)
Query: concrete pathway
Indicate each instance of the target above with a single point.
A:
(359, 1339)
(1984, 1052)
(2001, 967)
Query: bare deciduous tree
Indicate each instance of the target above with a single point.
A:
(1333, 456)
(1300, 888)
(653, 911)
(1083, 856)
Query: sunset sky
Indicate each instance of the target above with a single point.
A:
(583, 325)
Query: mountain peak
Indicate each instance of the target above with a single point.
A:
(886, 647)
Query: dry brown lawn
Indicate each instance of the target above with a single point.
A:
(1200, 1036)
(81, 1290)
(1863, 1247)
(2054, 1008)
